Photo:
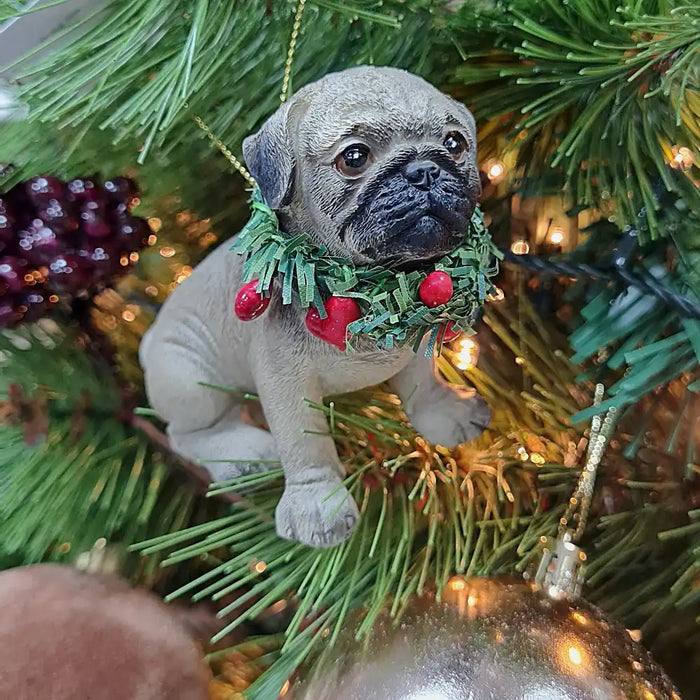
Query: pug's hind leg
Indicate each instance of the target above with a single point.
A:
(442, 413)
(204, 423)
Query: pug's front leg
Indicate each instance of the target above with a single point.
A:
(315, 508)
(442, 413)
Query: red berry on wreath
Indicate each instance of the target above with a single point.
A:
(436, 289)
(249, 302)
(450, 333)
(341, 312)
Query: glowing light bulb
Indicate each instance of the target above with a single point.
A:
(468, 354)
(557, 235)
(167, 251)
(575, 656)
(683, 157)
(497, 295)
(520, 247)
(495, 170)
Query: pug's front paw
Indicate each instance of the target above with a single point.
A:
(316, 513)
(450, 419)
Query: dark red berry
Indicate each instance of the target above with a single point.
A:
(38, 243)
(7, 223)
(81, 189)
(9, 313)
(121, 189)
(131, 233)
(57, 217)
(34, 304)
(12, 272)
(41, 189)
(104, 256)
(436, 289)
(93, 219)
(70, 273)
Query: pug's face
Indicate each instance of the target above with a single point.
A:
(374, 163)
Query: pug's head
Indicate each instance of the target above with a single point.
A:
(374, 163)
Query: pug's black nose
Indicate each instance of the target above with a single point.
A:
(422, 174)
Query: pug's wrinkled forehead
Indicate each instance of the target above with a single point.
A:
(380, 105)
(377, 104)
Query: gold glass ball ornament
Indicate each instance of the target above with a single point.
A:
(489, 639)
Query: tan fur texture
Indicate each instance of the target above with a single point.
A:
(66, 635)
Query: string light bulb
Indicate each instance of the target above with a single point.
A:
(556, 237)
(520, 247)
(683, 157)
(495, 170)
(468, 354)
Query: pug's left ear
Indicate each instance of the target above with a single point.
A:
(270, 159)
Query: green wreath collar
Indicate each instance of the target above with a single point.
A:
(391, 311)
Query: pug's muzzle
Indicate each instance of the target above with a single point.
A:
(417, 208)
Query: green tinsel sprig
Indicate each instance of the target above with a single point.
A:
(392, 312)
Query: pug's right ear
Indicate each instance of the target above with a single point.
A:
(269, 157)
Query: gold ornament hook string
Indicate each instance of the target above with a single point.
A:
(225, 151)
(580, 501)
(290, 53)
(230, 157)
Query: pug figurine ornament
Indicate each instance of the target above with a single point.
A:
(379, 167)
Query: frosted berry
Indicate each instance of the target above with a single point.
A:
(40, 190)
(436, 289)
(82, 189)
(104, 256)
(249, 303)
(70, 273)
(34, 304)
(121, 189)
(57, 218)
(9, 313)
(131, 233)
(12, 271)
(93, 219)
(38, 243)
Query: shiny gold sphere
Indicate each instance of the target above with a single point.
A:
(489, 639)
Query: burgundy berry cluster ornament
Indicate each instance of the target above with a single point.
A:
(61, 240)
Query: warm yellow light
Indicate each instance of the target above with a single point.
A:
(496, 295)
(151, 290)
(557, 235)
(152, 239)
(134, 257)
(683, 157)
(575, 656)
(471, 600)
(155, 224)
(520, 247)
(167, 252)
(636, 635)
(285, 688)
(578, 617)
(467, 355)
(260, 567)
(457, 584)
(537, 458)
(128, 316)
(495, 170)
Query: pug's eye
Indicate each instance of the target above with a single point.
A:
(353, 161)
(456, 145)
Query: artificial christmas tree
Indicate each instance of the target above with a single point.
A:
(588, 144)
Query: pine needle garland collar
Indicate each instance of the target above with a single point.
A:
(390, 307)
